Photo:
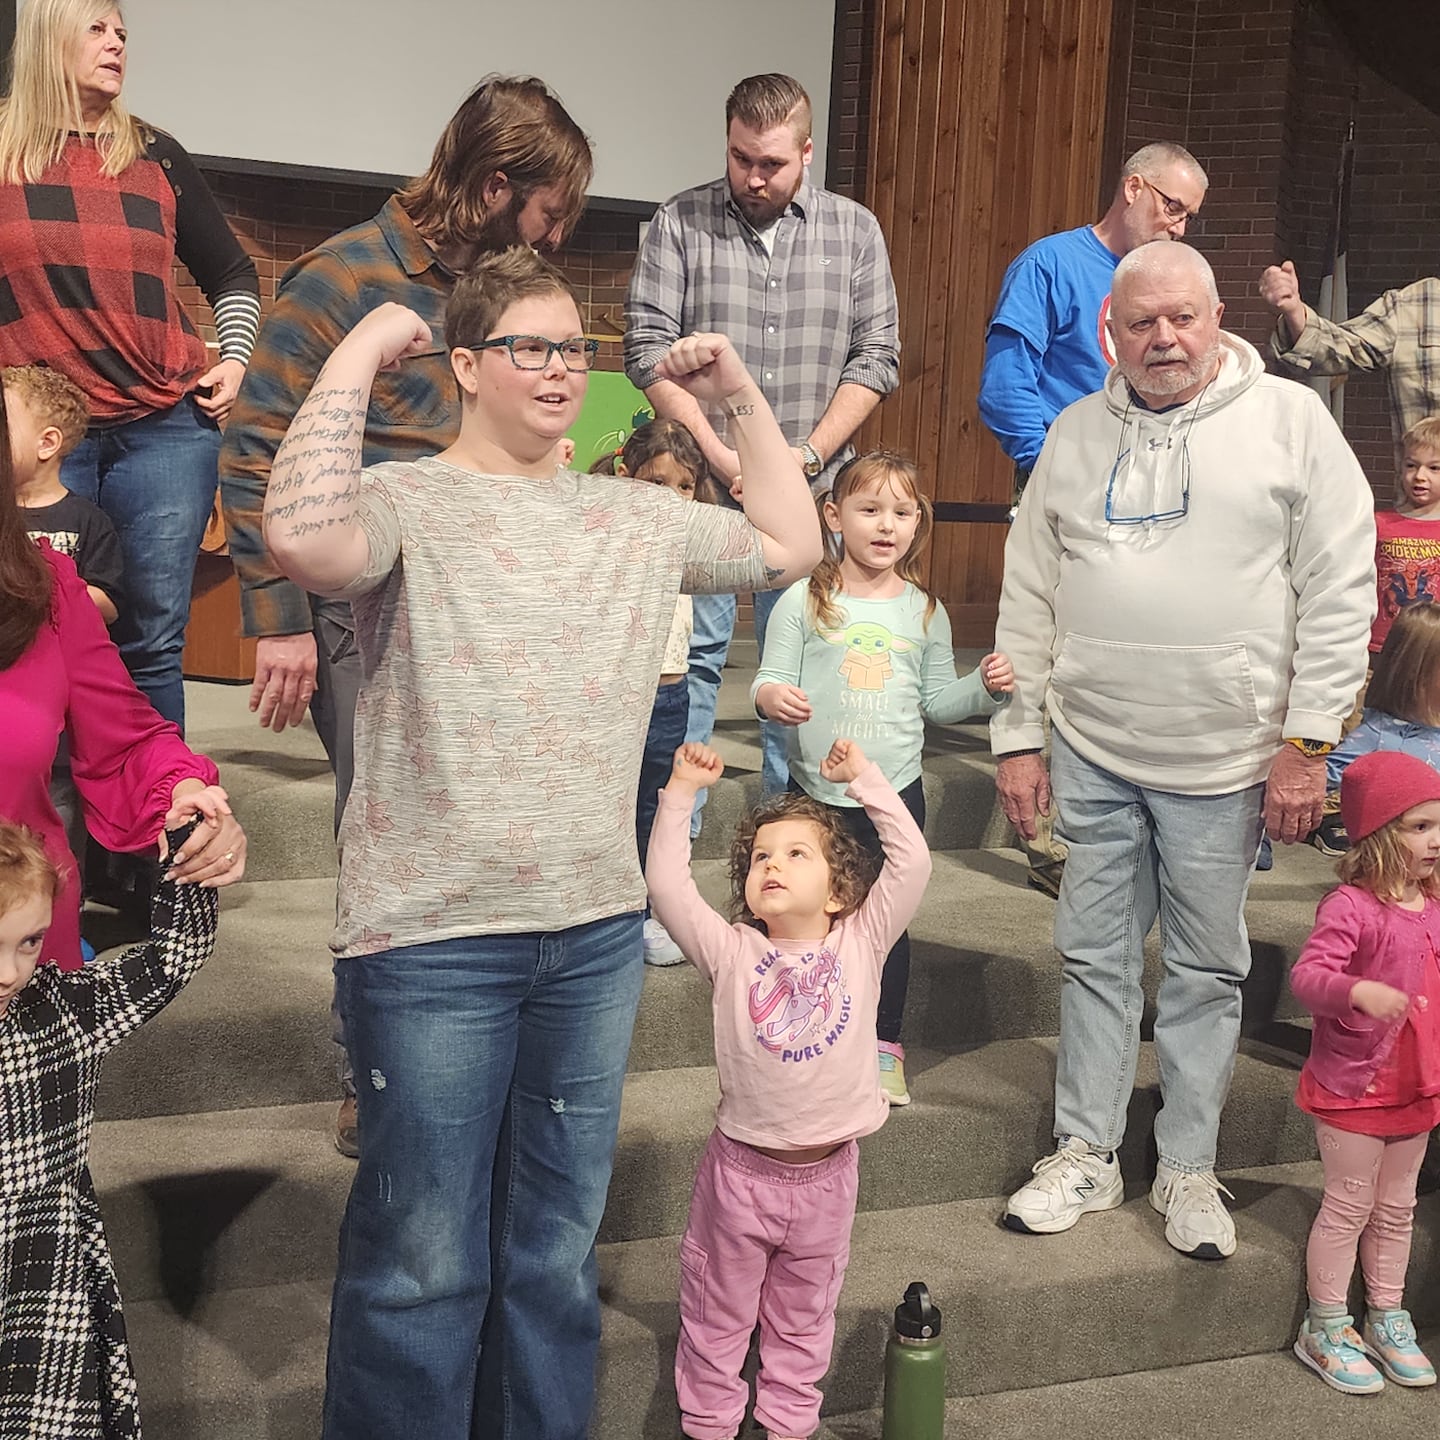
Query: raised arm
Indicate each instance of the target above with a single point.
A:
(311, 526)
(777, 500)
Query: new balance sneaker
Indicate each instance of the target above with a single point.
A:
(1072, 1182)
(892, 1073)
(1330, 838)
(660, 949)
(1336, 1354)
(1389, 1337)
(1196, 1220)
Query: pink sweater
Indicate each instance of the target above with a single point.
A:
(125, 759)
(794, 1022)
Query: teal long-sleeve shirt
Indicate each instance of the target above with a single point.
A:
(875, 679)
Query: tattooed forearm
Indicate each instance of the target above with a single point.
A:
(318, 463)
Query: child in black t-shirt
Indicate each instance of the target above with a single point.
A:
(48, 417)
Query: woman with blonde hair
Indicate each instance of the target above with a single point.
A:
(95, 208)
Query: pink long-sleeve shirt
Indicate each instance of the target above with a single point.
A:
(125, 759)
(794, 1021)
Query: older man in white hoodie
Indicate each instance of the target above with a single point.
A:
(1189, 585)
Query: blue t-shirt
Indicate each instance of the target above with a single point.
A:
(1047, 344)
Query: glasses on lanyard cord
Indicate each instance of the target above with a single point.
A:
(1123, 455)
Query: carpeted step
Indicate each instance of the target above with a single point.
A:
(201, 1202)
(1269, 1395)
(1108, 1298)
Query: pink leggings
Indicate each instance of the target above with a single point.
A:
(770, 1241)
(1369, 1204)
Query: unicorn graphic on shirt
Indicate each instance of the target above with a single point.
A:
(791, 1002)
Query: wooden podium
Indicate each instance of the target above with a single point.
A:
(214, 647)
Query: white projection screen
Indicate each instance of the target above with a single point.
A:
(365, 86)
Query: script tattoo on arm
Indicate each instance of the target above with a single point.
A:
(316, 475)
(736, 411)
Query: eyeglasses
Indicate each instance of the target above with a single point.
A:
(1174, 209)
(1153, 444)
(533, 352)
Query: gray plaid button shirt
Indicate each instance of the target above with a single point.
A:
(817, 313)
(1399, 333)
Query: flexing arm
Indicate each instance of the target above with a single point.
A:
(777, 500)
(311, 525)
(1331, 347)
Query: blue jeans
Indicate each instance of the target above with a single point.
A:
(490, 1073)
(709, 645)
(1136, 853)
(155, 478)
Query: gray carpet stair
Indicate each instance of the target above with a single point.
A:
(222, 1191)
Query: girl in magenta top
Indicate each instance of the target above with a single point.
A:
(796, 984)
(59, 671)
(1370, 974)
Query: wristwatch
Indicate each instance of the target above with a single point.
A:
(1314, 749)
(813, 464)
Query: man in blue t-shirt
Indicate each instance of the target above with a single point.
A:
(1047, 345)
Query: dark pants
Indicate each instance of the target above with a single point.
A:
(664, 737)
(895, 978)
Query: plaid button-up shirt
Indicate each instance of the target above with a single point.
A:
(816, 312)
(1399, 333)
(414, 410)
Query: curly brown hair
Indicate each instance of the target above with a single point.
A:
(853, 870)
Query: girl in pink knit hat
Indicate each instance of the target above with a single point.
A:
(1370, 975)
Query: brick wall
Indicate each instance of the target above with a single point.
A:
(1263, 91)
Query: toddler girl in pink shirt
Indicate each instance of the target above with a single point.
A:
(796, 984)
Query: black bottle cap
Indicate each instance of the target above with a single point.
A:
(917, 1318)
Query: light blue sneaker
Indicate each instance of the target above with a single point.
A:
(1336, 1354)
(1389, 1338)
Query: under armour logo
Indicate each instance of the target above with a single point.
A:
(1152, 443)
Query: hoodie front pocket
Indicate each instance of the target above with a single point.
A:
(1156, 692)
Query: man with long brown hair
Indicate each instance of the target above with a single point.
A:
(510, 168)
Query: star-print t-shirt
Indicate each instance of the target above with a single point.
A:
(511, 633)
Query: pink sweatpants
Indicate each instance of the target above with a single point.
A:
(770, 1241)
(1369, 1205)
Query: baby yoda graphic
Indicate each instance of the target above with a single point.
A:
(866, 665)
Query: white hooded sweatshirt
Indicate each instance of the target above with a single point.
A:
(1224, 603)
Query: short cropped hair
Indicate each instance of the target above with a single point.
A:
(52, 398)
(1422, 435)
(761, 102)
(1153, 160)
(853, 870)
(1164, 257)
(492, 285)
(26, 871)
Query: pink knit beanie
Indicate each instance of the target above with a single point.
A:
(1378, 788)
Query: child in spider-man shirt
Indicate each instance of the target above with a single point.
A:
(796, 984)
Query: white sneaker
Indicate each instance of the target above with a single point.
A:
(1196, 1220)
(1072, 1182)
(660, 949)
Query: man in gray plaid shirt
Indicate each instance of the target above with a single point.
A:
(799, 279)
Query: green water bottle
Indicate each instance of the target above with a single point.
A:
(915, 1371)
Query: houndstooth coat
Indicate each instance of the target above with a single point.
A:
(65, 1369)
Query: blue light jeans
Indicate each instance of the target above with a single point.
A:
(1136, 854)
(490, 1071)
(709, 645)
(155, 478)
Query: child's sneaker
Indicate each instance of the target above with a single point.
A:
(1196, 1220)
(892, 1073)
(1336, 1354)
(1072, 1182)
(1390, 1338)
(660, 949)
(1329, 836)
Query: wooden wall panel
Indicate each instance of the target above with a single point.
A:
(987, 129)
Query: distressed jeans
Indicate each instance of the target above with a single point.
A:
(1135, 854)
(489, 1072)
